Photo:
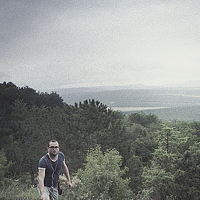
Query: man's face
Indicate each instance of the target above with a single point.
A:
(53, 148)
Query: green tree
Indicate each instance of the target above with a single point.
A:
(8, 94)
(4, 167)
(166, 176)
(28, 137)
(187, 176)
(143, 119)
(50, 100)
(34, 126)
(140, 143)
(92, 124)
(102, 176)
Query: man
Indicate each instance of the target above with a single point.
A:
(49, 170)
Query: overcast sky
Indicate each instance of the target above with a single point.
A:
(50, 44)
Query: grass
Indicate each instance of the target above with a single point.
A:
(20, 191)
(16, 190)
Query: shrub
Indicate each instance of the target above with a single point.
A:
(102, 177)
(4, 166)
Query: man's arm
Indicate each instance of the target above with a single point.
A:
(66, 172)
(41, 181)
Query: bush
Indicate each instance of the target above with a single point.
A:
(4, 166)
(18, 191)
(102, 177)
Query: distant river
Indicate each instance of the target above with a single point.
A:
(127, 109)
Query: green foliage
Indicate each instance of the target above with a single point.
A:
(27, 123)
(174, 170)
(18, 191)
(140, 143)
(102, 177)
(92, 124)
(159, 178)
(143, 119)
(187, 177)
(4, 167)
(162, 157)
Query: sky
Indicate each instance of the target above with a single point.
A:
(52, 44)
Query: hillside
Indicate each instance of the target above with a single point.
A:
(185, 113)
(162, 157)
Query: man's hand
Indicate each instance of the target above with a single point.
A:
(66, 172)
(44, 197)
(69, 184)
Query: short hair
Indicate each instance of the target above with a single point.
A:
(52, 141)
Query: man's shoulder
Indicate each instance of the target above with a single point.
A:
(43, 162)
(44, 157)
(61, 155)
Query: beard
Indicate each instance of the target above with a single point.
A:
(53, 155)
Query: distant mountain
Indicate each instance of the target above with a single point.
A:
(195, 84)
(100, 88)
(146, 97)
(168, 103)
(182, 86)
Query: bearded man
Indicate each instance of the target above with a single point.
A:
(50, 166)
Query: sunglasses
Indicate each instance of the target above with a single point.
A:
(52, 147)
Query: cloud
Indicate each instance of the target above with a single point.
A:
(49, 44)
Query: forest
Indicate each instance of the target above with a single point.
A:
(110, 155)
